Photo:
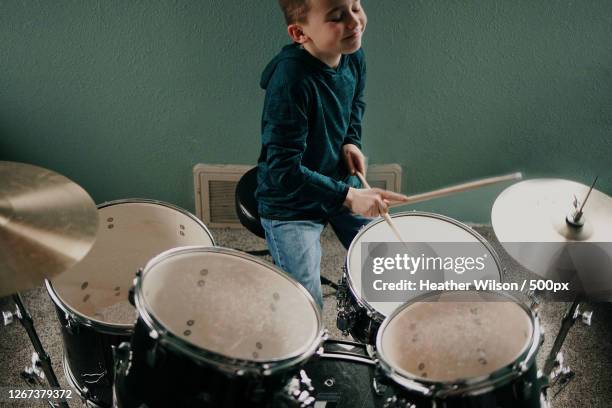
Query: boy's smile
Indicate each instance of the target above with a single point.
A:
(331, 28)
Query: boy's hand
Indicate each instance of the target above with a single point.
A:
(371, 202)
(355, 161)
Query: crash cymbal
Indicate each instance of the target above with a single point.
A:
(47, 224)
(534, 220)
(536, 211)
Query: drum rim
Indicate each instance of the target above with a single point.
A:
(370, 310)
(464, 386)
(239, 366)
(109, 327)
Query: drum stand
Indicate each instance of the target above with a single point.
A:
(41, 362)
(553, 367)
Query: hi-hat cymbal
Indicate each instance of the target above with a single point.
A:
(530, 220)
(47, 224)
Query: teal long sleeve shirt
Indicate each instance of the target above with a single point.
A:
(310, 112)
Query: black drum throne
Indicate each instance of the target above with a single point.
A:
(246, 208)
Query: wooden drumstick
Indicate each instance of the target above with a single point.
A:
(457, 189)
(385, 215)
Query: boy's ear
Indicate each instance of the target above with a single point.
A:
(296, 33)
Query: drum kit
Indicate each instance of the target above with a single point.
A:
(153, 314)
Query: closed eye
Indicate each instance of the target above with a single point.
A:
(336, 18)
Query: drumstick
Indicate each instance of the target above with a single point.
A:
(386, 215)
(457, 189)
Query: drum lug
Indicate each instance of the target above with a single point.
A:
(266, 370)
(156, 355)
(325, 335)
(378, 385)
(86, 395)
(521, 367)
(344, 321)
(131, 296)
(395, 402)
(71, 324)
(542, 335)
(535, 301)
(345, 317)
(133, 288)
(298, 392)
(122, 357)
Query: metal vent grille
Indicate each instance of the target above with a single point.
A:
(215, 187)
(222, 201)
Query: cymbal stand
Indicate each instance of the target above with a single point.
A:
(554, 362)
(41, 362)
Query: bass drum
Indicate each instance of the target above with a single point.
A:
(343, 376)
(216, 328)
(362, 319)
(91, 299)
(462, 349)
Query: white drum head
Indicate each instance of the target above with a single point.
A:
(224, 302)
(413, 227)
(462, 335)
(129, 235)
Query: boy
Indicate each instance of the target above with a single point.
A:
(311, 138)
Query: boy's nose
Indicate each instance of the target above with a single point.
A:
(353, 22)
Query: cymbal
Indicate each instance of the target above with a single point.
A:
(529, 219)
(47, 224)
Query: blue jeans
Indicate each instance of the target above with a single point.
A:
(296, 245)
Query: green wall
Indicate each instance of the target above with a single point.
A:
(125, 97)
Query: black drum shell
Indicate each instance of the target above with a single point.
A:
(89, 358)
(344, 376)
(354, 319)
(523, 391)
(160, 376)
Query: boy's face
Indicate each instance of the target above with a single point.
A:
(333, 28)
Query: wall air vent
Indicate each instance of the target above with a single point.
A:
(215, 186)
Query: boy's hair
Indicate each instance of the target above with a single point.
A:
(294, 10)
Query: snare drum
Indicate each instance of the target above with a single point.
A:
(361, 318)
(462, 349)
(91, 299)
(216, 328)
